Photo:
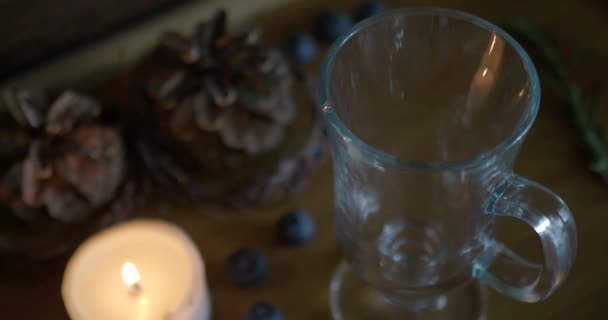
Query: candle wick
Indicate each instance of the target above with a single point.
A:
(135, 289)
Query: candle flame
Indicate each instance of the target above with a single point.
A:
(130, 274)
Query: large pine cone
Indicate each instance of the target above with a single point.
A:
(219, 94)
(65, 166)
(212, 113)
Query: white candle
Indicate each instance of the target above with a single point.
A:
(140, 270)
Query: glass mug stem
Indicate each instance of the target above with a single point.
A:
(551, 219)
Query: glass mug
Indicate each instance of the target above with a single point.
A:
(426, 110)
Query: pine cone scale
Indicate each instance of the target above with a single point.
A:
(32, 167)
(206, 116)
(96, 174)
(236, 83)
(68, 110)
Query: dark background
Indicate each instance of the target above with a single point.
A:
(36, 30)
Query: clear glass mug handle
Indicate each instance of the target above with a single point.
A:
(549, 216)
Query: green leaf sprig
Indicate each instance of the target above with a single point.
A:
(582, 103)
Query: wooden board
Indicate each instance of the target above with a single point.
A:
(298, 279)
(34, 30)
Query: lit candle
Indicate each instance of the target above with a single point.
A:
(140, 270)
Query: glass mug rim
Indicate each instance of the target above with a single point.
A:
(376, 154)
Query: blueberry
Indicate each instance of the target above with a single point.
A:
(296, 228)
(246, 267)
(370, 9)
(332, 24)
(302, 48)
(263, 311)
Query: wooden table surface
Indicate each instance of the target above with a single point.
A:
(298, 278)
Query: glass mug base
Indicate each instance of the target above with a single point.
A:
(352, 299)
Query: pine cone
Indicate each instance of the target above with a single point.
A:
(223, 85)
(66, 166)
(215, 108)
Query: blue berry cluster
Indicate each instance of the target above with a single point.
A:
(248, 267)
(295, 228)
(370, 9)
(331, 24)
(263, 311)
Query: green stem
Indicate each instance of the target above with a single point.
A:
(557, 74)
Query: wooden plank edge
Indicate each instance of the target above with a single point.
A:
(105, 58)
